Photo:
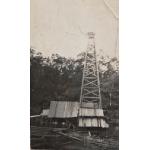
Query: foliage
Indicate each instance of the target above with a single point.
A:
(59, 78)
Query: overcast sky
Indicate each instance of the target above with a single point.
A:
(60, 26)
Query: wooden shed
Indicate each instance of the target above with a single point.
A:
(68, 111)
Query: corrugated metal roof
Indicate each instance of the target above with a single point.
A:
(88, 117)
(89, 105)
(63, 109)
(90, 112)
(67, 109)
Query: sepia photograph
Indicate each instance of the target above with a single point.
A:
(74, 74)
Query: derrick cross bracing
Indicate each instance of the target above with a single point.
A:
(90, 111)
(90, 88)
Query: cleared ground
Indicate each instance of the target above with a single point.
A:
(46, 138)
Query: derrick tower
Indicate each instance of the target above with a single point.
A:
(90, 111)
(90, 88)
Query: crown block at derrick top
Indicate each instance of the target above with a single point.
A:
(91, 35)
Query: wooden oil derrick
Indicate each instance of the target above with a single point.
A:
(90, 88)
(90, 111)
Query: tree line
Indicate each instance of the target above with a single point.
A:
(59, 78)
